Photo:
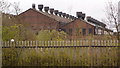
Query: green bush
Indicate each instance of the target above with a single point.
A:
(47, 35)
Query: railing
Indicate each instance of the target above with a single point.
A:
(61, 53)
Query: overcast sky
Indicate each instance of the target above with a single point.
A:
(94, 8)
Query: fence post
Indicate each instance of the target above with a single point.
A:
(80, 42)
(8, 43)
(39, 43)
(11, 44)
(25, 43)
(31, 43)
(42, 43)
(48, 43)
(4, 43)
(28, 43)
(117, 42)
(102, 44)
(17, 43)
(108, 42)
(54, 43)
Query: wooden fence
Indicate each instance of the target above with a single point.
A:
(73, 43)
(61, 53)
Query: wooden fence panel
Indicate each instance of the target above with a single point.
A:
(61, 53)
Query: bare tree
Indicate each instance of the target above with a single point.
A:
(11, 8)
(4, 6)
(111, 11)
(16, 8)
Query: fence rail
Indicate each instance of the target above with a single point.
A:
(56, 46)
(60, 44)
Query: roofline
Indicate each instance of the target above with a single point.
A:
(75, 20)
(108, 30)
(36, 11)
(40, 13)
(69, 22)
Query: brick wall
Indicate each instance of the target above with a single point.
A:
(75, 28)
(38, 21)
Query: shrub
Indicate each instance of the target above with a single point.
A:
(47, 35)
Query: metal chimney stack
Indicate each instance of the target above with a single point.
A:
(46, 9)
(70, 17)
(80, 15)
(51, 10)
(64, 14)
(60, 13)
(33, 6)
(56, 12)
(67, 15)
(83, 16)
(40, 7)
